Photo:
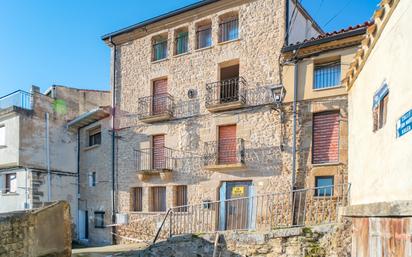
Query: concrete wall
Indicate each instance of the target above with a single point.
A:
(379, 162)
(43, 232)
(9, 156)
(98, 198)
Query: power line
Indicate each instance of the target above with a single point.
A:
(338, 13)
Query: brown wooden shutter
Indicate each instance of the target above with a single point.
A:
(181, 197)
(325, 138)
(227, 145)
(158, 198)
(137, 199)
(159, 96)
(158, 154)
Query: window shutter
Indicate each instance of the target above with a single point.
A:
(325, 138)
(158, 152)
(159, 97)
(227, 144)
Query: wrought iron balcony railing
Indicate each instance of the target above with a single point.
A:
(18, 98)
(155, 108)
(224, 152)
(152, 160)
(229, 92)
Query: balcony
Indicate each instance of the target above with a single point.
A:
(226, 94)
(155, 108)
(154, 161)
(20, 99)
(225, 155)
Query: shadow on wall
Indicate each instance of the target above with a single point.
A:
(187, 245)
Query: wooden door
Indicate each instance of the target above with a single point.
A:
(227, 153)
(158, 155)
(159, 97)
(237, 211)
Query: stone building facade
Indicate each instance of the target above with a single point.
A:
(23, 150)
(178, 156)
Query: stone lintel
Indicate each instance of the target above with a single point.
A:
(382, 209)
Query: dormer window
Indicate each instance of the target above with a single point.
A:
(159, 47)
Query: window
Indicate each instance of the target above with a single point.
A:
(327, 75)
(204, 35)
(95, 136)
(92, 179)
(181, 198)
(137, 199)
(228, 28)
(379, 113)
(229, 83)
(182, 41)
(158, 152)
(99, 219)
(159, 45)
(158, 199)
(325, 145)
(11, 183)
(324, 186)
(2, 135)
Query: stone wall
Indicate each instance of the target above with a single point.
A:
(42, 232)
(322, 241)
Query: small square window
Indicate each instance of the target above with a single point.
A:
(324, 186)
(182, 41)
(99, 219)
(229, 28)
(159, 47)
(95, 136)
(204, 35)
(158, 199)
(327, 75)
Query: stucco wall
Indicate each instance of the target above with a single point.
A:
(98, 198)
(9, 156)
(301, 28)
(16, 200)
(306, 74)
(379, 163)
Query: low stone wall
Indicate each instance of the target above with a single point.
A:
(40, 232)
(319, 241)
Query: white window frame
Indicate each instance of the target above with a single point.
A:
(92, 179)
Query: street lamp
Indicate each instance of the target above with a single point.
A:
(278, 94)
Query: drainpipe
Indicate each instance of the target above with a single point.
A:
(26, 193)
(113, 138)
(295, 98)
(78, 183)
(287, 22)
(48, 158)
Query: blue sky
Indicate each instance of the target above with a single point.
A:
(46, 42)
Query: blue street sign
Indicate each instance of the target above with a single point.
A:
(404, 124)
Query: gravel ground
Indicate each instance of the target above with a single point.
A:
(108, 251)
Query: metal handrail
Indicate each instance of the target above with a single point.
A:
(18, 98)
(161, 226)
(226, 91)
(146, 159)
(216, 152)
(153, 105)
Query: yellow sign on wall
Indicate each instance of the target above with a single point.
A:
(238, 191)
